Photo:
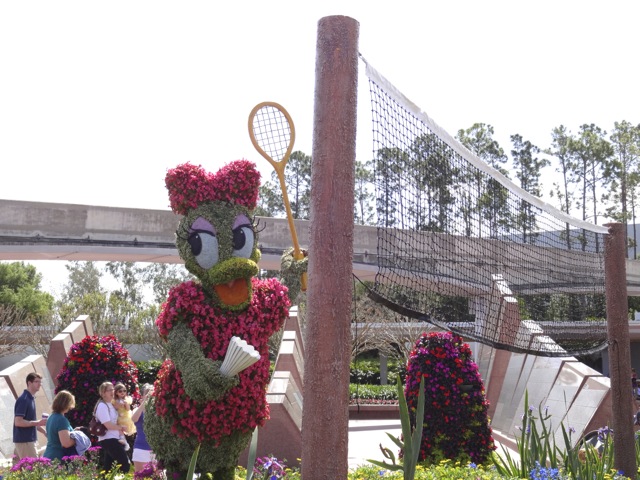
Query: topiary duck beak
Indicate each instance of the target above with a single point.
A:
(234, 292)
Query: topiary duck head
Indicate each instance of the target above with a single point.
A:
(216, 237)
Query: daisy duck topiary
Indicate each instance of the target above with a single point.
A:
(196, 400)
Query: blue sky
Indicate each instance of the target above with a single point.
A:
(98, 99)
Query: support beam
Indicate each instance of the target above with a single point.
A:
(619, 349)
(325, 417)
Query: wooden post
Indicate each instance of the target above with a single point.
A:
(619, 349)
(325, 416)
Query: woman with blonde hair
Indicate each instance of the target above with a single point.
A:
(58, 427)
(105, 412)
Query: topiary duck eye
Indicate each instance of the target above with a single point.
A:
(204, 247)
(195, 242)
(243, 240)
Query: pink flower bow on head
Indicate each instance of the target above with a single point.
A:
(190, 185)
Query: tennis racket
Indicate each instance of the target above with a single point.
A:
(273, 135)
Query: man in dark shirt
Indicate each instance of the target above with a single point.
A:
(25, 419)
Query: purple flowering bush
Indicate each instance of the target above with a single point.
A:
(32, 465)
(150, 471)
(270, 468)
(456, 425)
(90, 362)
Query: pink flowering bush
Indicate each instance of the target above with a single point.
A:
(90, 362)
(190, 185)
(456, 425)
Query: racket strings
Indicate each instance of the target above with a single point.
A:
(272, 132)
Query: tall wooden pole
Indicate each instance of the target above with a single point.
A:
(325, 416)
(619, 349)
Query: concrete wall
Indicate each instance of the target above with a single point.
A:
(572, 393)
(282, 433)
(12, 384)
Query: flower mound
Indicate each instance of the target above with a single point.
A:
(456, 425)
(90, 362)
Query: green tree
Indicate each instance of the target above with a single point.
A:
(592, 153)
(560, 150)
(593, 157)
(83, 278)
(270, 203)
(528, 167)
(490, 195)
(20, 288)
(129, 278)
(435, 182)
(624, 173)
(364, 205)
(162, 277)
(122, 312)
(389, 166)
(297, 179)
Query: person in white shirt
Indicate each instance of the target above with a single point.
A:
(112, 450)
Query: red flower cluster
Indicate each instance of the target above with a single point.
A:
(90, 362)
(190, 185)
(456, 425)
(243, 407)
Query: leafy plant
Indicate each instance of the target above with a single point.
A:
(590, 460)
(148, 371)
(410, 443)
(253, 448)
(192, 463)
(375, 394)
(445, 470)
(538, 456)
(535, 445)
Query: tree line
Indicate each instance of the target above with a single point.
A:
(596, 179)
(128, 311)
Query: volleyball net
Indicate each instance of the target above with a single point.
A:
(464, 248)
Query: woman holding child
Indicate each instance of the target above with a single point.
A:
(106, 413)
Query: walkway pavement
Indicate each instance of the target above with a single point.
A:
(365, 437)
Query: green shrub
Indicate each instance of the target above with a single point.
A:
(373, 393)
(148, 371)
(366, 370)
(363, 374)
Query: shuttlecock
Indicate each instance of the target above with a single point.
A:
(240, 355)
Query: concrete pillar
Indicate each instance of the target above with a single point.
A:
(384, 369)
(325, 417)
